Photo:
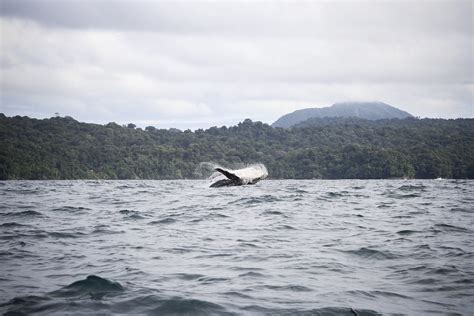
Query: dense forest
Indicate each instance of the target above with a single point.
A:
(329, 148)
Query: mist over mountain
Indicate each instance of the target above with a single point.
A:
(363, 110)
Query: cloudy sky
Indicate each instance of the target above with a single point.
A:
(193, 64)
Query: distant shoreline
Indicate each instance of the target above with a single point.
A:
(268, 179)
(324, 148)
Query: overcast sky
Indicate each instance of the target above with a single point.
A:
(201, 64)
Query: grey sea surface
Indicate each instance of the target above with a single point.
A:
(322, 247)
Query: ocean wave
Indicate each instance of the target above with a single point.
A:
(167, 220)
(406, 232)
(70, 209)
(131, 214)
(12, 225)
(326, 311)
(289, 287)
(368, 253)
(66, 234)
(180, 306)
(409, 187)
(29, 213)
(284, 247)
(450, 228)
(250, 201)
(91, 285)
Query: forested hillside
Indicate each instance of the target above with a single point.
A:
(63, 148)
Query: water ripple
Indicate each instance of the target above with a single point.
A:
(342, 247)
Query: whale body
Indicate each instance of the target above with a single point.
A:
(249, 175)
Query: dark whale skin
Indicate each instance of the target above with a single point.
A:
(224, 183)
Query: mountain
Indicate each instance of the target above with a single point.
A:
(364, 110)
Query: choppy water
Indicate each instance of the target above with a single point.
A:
(348, 247)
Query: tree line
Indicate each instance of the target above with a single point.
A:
(329, 148)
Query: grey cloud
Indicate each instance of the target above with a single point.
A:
(207, 64)
(251, 18)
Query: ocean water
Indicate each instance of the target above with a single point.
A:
(319, 247)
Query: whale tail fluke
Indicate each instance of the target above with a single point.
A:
(228, 174)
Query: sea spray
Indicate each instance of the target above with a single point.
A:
(247, 173)
(206, 169)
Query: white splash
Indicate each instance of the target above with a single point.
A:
(248, 174)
